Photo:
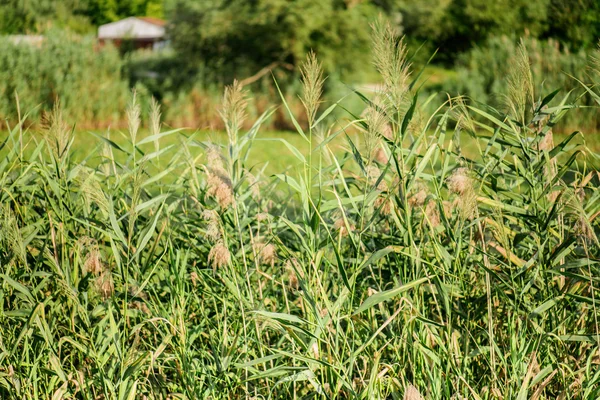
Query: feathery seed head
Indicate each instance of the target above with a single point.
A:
(105, 284)
(265, 253)
(233, 110)
(268, 254)
(383, 204)
(260, 217)
(58, 134)
(92, 193)
(219, 256)
(412, 393)
(340, 226)
(224, 195)
(220, 187)
(312, 86)
(134, 117)
(459, 182)
(92, 263)
(547, 143)
(584, 230)
(417, 199)
(155, 121)
(432, 214)
(194, 278)
(376, 124)
(373, 174)
(291, 266)
(214, 159)
(10, 234)
(461, 114)
(390, 61)
(140, 305)
(213, 232)
(107, 157)
(209, 215)
(520, 84)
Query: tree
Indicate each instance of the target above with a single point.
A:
(104, 11)
(237, 38)
(454, 26)
(34, 16)
(575, 22)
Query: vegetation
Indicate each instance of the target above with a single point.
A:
(245, 37)
(86, 82)
(481, 73)
(34, 16)
(213, 42)
(402, 268)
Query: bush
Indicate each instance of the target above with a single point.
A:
(480, 74)
(74, 71)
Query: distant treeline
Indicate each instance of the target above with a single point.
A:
(213, 42)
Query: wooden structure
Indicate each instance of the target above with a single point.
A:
(134, 32)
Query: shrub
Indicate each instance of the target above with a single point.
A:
(85, 79)
(481, 73)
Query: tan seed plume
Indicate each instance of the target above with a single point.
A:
(219, 256)
(389, 58)
(105, 284)
(312, 86)
(233, 110)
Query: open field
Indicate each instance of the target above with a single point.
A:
(405, 260)
(268, 151)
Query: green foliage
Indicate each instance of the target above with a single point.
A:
(238, 38)
(400, 268)
(104, 11)
(455, 26)
(36, 16)
(480, 74)
(85, 80)
(575, 23)
(32, 16)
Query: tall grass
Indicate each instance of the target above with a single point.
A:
(91, 82)
(480, 74)
(86, 81)
(400, 269)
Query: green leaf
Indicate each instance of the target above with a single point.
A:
(388, 294)
(290, 113)
(152, 138)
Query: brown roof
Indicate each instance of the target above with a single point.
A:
(154, 21)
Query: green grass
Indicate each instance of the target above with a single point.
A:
(269, 153)
(434, 272)
(272, 154)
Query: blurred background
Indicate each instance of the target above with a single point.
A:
(90, 54)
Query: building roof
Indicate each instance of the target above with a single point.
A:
(133, 28)
(153, 20)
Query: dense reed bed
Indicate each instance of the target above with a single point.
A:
(399, 269)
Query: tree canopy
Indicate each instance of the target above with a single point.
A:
(81, 16)
(239, 37)
(219, 39)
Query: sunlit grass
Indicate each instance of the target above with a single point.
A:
(395, 261)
